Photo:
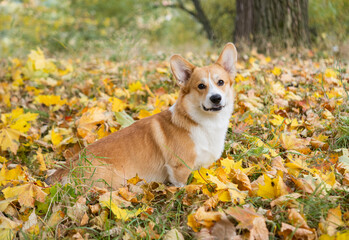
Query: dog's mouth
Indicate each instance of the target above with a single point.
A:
(213, 109)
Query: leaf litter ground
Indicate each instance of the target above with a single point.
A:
(284, 173)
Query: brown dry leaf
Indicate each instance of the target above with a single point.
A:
(288, 200)
(202, 217)
(278, 164)
(223, 229)
(212, 202)
(192, 189)
(250, 220)
(114, 197)
(289, 232)
(241, 179)
(304, 185)
(332, 222)
(149, 233)
(127, 195)
(289, 141)
(8, 228)
(77, 236)
(55, 218)
(95, 208)
(297, 219)
(79, 209)
(173, 234)
(100, 220)
(84, 219)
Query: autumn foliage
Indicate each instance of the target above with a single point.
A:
(284, 173)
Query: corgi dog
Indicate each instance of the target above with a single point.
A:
(167, 146)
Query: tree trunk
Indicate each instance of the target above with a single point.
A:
(284, 22)
(202, 18)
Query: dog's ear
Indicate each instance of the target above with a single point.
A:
(181, 69)
(228, 58)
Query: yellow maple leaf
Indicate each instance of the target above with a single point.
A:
(56, 137)
(229, 165)
(50, 100)
(277, 120)
(117, 104)
(239, 78)
(9, 140)
(276, 71)
(330, 73)
(3, 159)
(329, 178)
(26, 194)
(191, 222)
(144, 113)
(7, 175)
(289, 141)
(134, 180)
(202, 175)
(134, 87)
(120, 213)
(18, 120)
(272, 188)
(232, 194)
(37, 63)
(88, 122)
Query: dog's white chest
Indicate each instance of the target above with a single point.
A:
(209, 142)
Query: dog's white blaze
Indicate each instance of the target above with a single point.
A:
(212, 90)
(209, 135)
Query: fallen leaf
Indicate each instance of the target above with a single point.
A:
(26, 194)
(272, 188)
(9, 139)
(250, 220)
(290, 232)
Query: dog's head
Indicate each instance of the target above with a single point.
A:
(207, 88)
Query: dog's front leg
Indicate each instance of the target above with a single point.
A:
(178, 172)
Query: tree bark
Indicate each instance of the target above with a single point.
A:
(272, 21)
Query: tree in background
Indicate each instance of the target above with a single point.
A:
(215, 17)
(256, 21)
(263, 21)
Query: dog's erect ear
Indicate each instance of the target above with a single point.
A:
(181, 69)
(228, 58)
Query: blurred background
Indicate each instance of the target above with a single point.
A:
(119, 29)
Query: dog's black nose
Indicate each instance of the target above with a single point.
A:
(216, 98)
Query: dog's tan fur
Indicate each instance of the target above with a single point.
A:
(156, 147)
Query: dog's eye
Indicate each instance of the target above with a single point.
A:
(220, 82)
(201, 86)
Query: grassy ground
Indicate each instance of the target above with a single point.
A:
(284, 172)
